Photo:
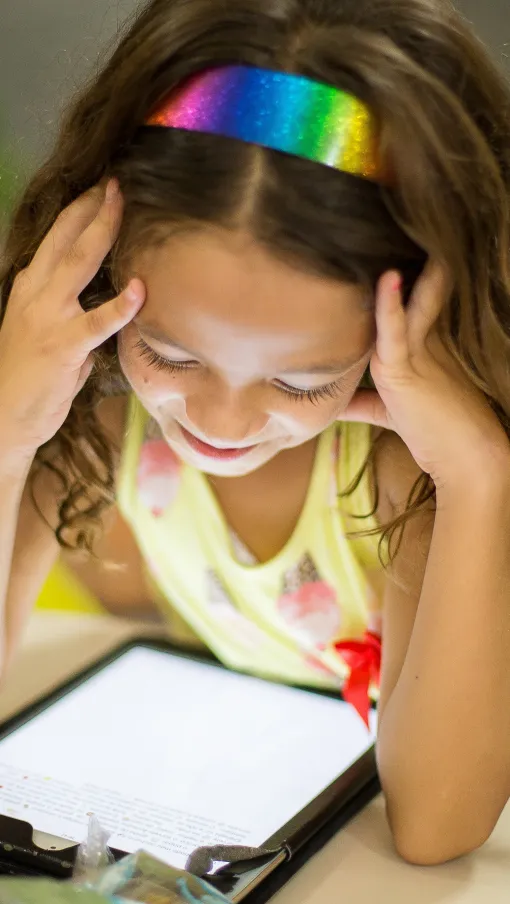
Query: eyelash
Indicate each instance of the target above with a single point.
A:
(330, 391)
(158, 362)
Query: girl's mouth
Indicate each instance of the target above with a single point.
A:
(212, 451)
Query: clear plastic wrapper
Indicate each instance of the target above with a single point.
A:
(94, 854)
(141, 877)
(98, 880)
(138, 877)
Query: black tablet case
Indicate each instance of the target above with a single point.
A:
(301, 838)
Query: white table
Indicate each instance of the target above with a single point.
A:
(357, 867)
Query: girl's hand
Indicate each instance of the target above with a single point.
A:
(423, 394)
(46, 339)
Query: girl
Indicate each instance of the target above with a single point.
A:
(254, 202)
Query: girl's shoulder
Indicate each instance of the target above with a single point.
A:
(396, 472)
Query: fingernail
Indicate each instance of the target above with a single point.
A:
(112, 190)
(396, 284)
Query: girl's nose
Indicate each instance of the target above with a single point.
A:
(226, 417)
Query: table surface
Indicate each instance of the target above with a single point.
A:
(358, 864)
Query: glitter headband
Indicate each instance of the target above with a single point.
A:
(278, 110)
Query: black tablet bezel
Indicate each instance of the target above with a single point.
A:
(305, 833)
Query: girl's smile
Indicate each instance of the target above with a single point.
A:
(238, 355)
(209, 451)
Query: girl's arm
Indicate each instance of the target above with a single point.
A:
(28, 546)
(444, 735)
(47, 344)
(116, 575)
(28, 549)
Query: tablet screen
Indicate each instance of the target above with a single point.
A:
(171, 754)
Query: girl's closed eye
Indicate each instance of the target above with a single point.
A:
(161, 363)
(316, 394)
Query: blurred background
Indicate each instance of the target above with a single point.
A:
(47, 48)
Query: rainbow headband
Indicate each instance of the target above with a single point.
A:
(278, 110)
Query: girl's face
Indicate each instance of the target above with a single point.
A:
(237, 355)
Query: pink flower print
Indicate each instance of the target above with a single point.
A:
(312, 613)
(225, 610)
(157, 476)
(309, 606)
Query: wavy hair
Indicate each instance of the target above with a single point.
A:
(443, 109)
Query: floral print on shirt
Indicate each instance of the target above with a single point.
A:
(309, 606)
(158, 475)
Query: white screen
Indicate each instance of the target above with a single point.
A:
(171, 754)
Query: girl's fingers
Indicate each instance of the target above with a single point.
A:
(367, 406)
(91, 329)
(66, 230)
(84, 258)
(427, 300)
(85, 373)
(392, 348)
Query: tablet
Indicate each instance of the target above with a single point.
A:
(172, 752)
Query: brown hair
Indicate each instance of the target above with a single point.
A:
(444, 115)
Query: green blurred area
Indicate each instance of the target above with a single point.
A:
(34, 891)
(10, 177)
(8, 185)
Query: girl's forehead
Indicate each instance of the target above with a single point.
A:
(226, 286)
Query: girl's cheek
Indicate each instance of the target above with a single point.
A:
(304, 420)
(321, 416)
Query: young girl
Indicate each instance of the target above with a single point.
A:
(254, 202)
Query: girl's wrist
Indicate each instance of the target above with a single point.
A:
(16, 456)
(14, 469)
(484, 484)
(483, 469)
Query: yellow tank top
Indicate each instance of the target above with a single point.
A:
(279, 619)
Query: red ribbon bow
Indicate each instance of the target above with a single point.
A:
(363, 657)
